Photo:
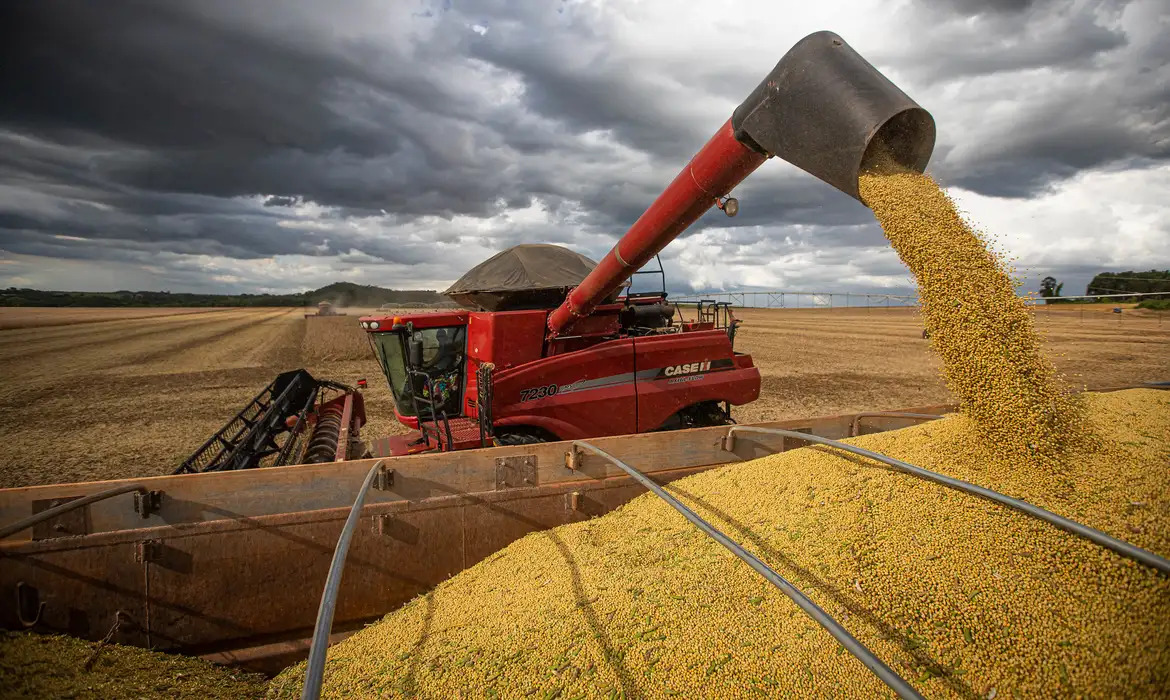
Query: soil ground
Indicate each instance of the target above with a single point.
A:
(91, 394)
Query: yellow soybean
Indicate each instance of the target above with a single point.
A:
(961, 597)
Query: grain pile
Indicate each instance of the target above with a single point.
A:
(984, 334)
(41, 666)
(961, 597)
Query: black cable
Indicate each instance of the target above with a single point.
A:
(887, 675)
(315, 668)
(1125, 549)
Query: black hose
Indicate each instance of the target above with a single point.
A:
(1125, 549)
(887, 675)
(315, 668)
(53, 512)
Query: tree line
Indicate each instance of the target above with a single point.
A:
(1103, 283)
(339, 294)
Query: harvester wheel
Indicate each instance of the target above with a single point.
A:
(702, 415)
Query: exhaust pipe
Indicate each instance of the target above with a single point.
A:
(829, 112)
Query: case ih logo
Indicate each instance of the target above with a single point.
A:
(687, 369)
(695, 368)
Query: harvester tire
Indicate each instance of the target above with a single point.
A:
(525, 436)
(702, 415)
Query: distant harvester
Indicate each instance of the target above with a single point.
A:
(324, 308)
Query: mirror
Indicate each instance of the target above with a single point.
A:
(416, 353)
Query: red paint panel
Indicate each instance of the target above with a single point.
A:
(660, 398)
(505, 338)
(572, 414)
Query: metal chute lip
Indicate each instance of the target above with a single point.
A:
(924, 144)
(918, 160)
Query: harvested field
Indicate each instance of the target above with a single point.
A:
(133, 396)
(824, 362)
(33, 317)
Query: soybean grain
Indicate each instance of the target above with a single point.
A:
(960, 596)
(981, 329)
(52, 666)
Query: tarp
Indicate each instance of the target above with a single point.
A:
(528, 276)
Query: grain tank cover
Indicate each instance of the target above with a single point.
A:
(529, 276)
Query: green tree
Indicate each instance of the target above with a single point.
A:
(1147, 282)
(1049, 287)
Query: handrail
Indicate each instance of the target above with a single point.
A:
(887, 675)
(315, 669)
(53, 512)
(1125, 549)
(856, 424)
(484, 397)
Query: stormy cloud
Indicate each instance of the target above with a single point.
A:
(281, 145)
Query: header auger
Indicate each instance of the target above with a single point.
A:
(295, 420)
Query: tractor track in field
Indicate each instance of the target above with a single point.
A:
(64, 344)
(138, 410)
(43, 375)
(195, 343)
(26, 334)
(38, 317)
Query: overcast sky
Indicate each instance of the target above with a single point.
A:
(228, 146)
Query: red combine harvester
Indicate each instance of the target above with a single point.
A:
(546, 349)
(324, 308)
(497, 373)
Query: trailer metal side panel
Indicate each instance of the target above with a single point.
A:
(232, 564)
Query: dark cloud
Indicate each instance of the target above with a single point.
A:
(376, 134)
(978, 7)
(1037, 92)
